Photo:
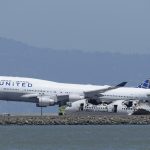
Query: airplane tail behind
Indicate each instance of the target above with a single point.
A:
(145, 84)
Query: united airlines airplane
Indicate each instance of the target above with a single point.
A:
(47, 93)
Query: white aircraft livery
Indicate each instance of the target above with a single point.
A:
(47, 93)
(116, 107)
(128, 107)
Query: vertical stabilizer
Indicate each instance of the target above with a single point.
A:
(145, 84)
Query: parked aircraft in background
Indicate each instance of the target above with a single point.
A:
(145, 84)
(141, 92)
(119, 106)
(116, 107)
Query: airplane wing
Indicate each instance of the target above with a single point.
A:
(63, 99)
(97, 93)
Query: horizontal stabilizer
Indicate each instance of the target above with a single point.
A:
(121, 84)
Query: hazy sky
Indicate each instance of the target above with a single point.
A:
(93, 25)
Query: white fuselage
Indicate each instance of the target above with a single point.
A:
(27, 89)
(23, 89)
(116, 107)
(126, 93)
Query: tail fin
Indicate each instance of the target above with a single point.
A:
(145, 84)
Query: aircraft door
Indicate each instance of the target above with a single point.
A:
(81, 106)
(115, 108)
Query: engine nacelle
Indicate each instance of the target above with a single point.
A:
(45, 101)
(74, 97)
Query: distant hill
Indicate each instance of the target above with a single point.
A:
(19, 59)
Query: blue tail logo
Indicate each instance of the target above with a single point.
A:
(145, 84)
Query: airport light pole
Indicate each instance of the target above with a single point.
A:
(41, 111)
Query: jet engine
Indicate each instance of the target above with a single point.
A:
(75, 97)
(45, 101)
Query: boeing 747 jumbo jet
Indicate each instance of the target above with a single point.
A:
(47, 93)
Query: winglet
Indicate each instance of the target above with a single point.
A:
(122, 84)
